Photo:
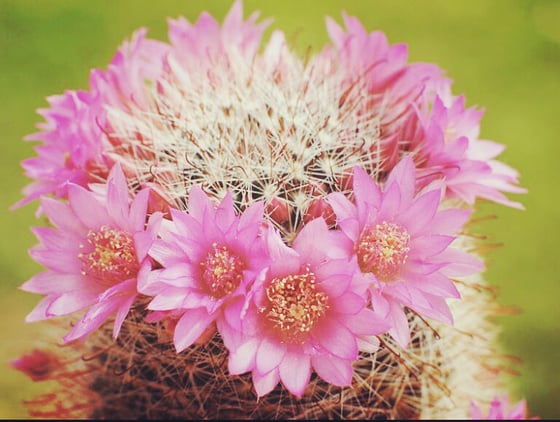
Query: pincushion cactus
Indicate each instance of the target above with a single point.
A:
(237, 232)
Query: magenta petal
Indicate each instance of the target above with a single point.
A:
(179, 275)
(295, 372)
(135, 220)
(476, 413)
(404, 174)
(400, 330)
(518, 411)
(48, 282)
(379, 303)
(199, 203)
(336, 33)
(264, 384)
(87, 208)
(284, 260)
(251, 220)
(166, 253)
(142, 244)
(39, 313)
(93, 319)
(121, 314)
(365, 188)
(427, 246)
(342, 207)
(146, 280)
(391, 202)
(348, 303)
(368, 344)
(231, 336)
(117, 197)
(190, 327)
(337, 339)
(334, 277)
(52, 238)
(311, 242)
(225, 213)
(365, 323)
(269, 355)
(61, 215)
(435, 284)
(333, 370)
(351, 228)
(449, 221)
(167, 298)
(71, 301)
(242, 359)
(183, 224)
(232, 312)
(437, 309)
(124, 288)
(56, 260)
(460, 263)
(421, 212)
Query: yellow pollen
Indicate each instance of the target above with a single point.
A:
(383, 250)
(294, 305)
(222, 271)
(110, 255)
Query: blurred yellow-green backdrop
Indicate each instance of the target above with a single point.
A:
(504, 55)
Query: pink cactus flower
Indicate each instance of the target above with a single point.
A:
(500, 409)
(370, 64)
(210, 257)
(401, 242)
(76, 138)
(308, 313)
(206, 41)
(445, 144)
(93, 254)
(71, 149)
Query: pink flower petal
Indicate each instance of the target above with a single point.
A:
(71, 301)
(62, 216)
(264, 384)
(87, 208)
(168, 298)
(39, 312)
(117, 197)
(334, 277)
(404, 175)
(424, 247)
(269, 355)
(348, 303)
(421, 212)
(190, 327)
(49, 282)
(333, 370)
(337, 339)
(122, 312)
(365, 323)
(135, 219)
(242, 359)
(365, 188)
(400, 330)
(295, 372)
(92, 320)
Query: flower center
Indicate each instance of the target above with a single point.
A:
(383, 250)
(222, 271)
(295, 305)
(112, 256)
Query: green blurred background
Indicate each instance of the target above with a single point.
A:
(503, 54)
